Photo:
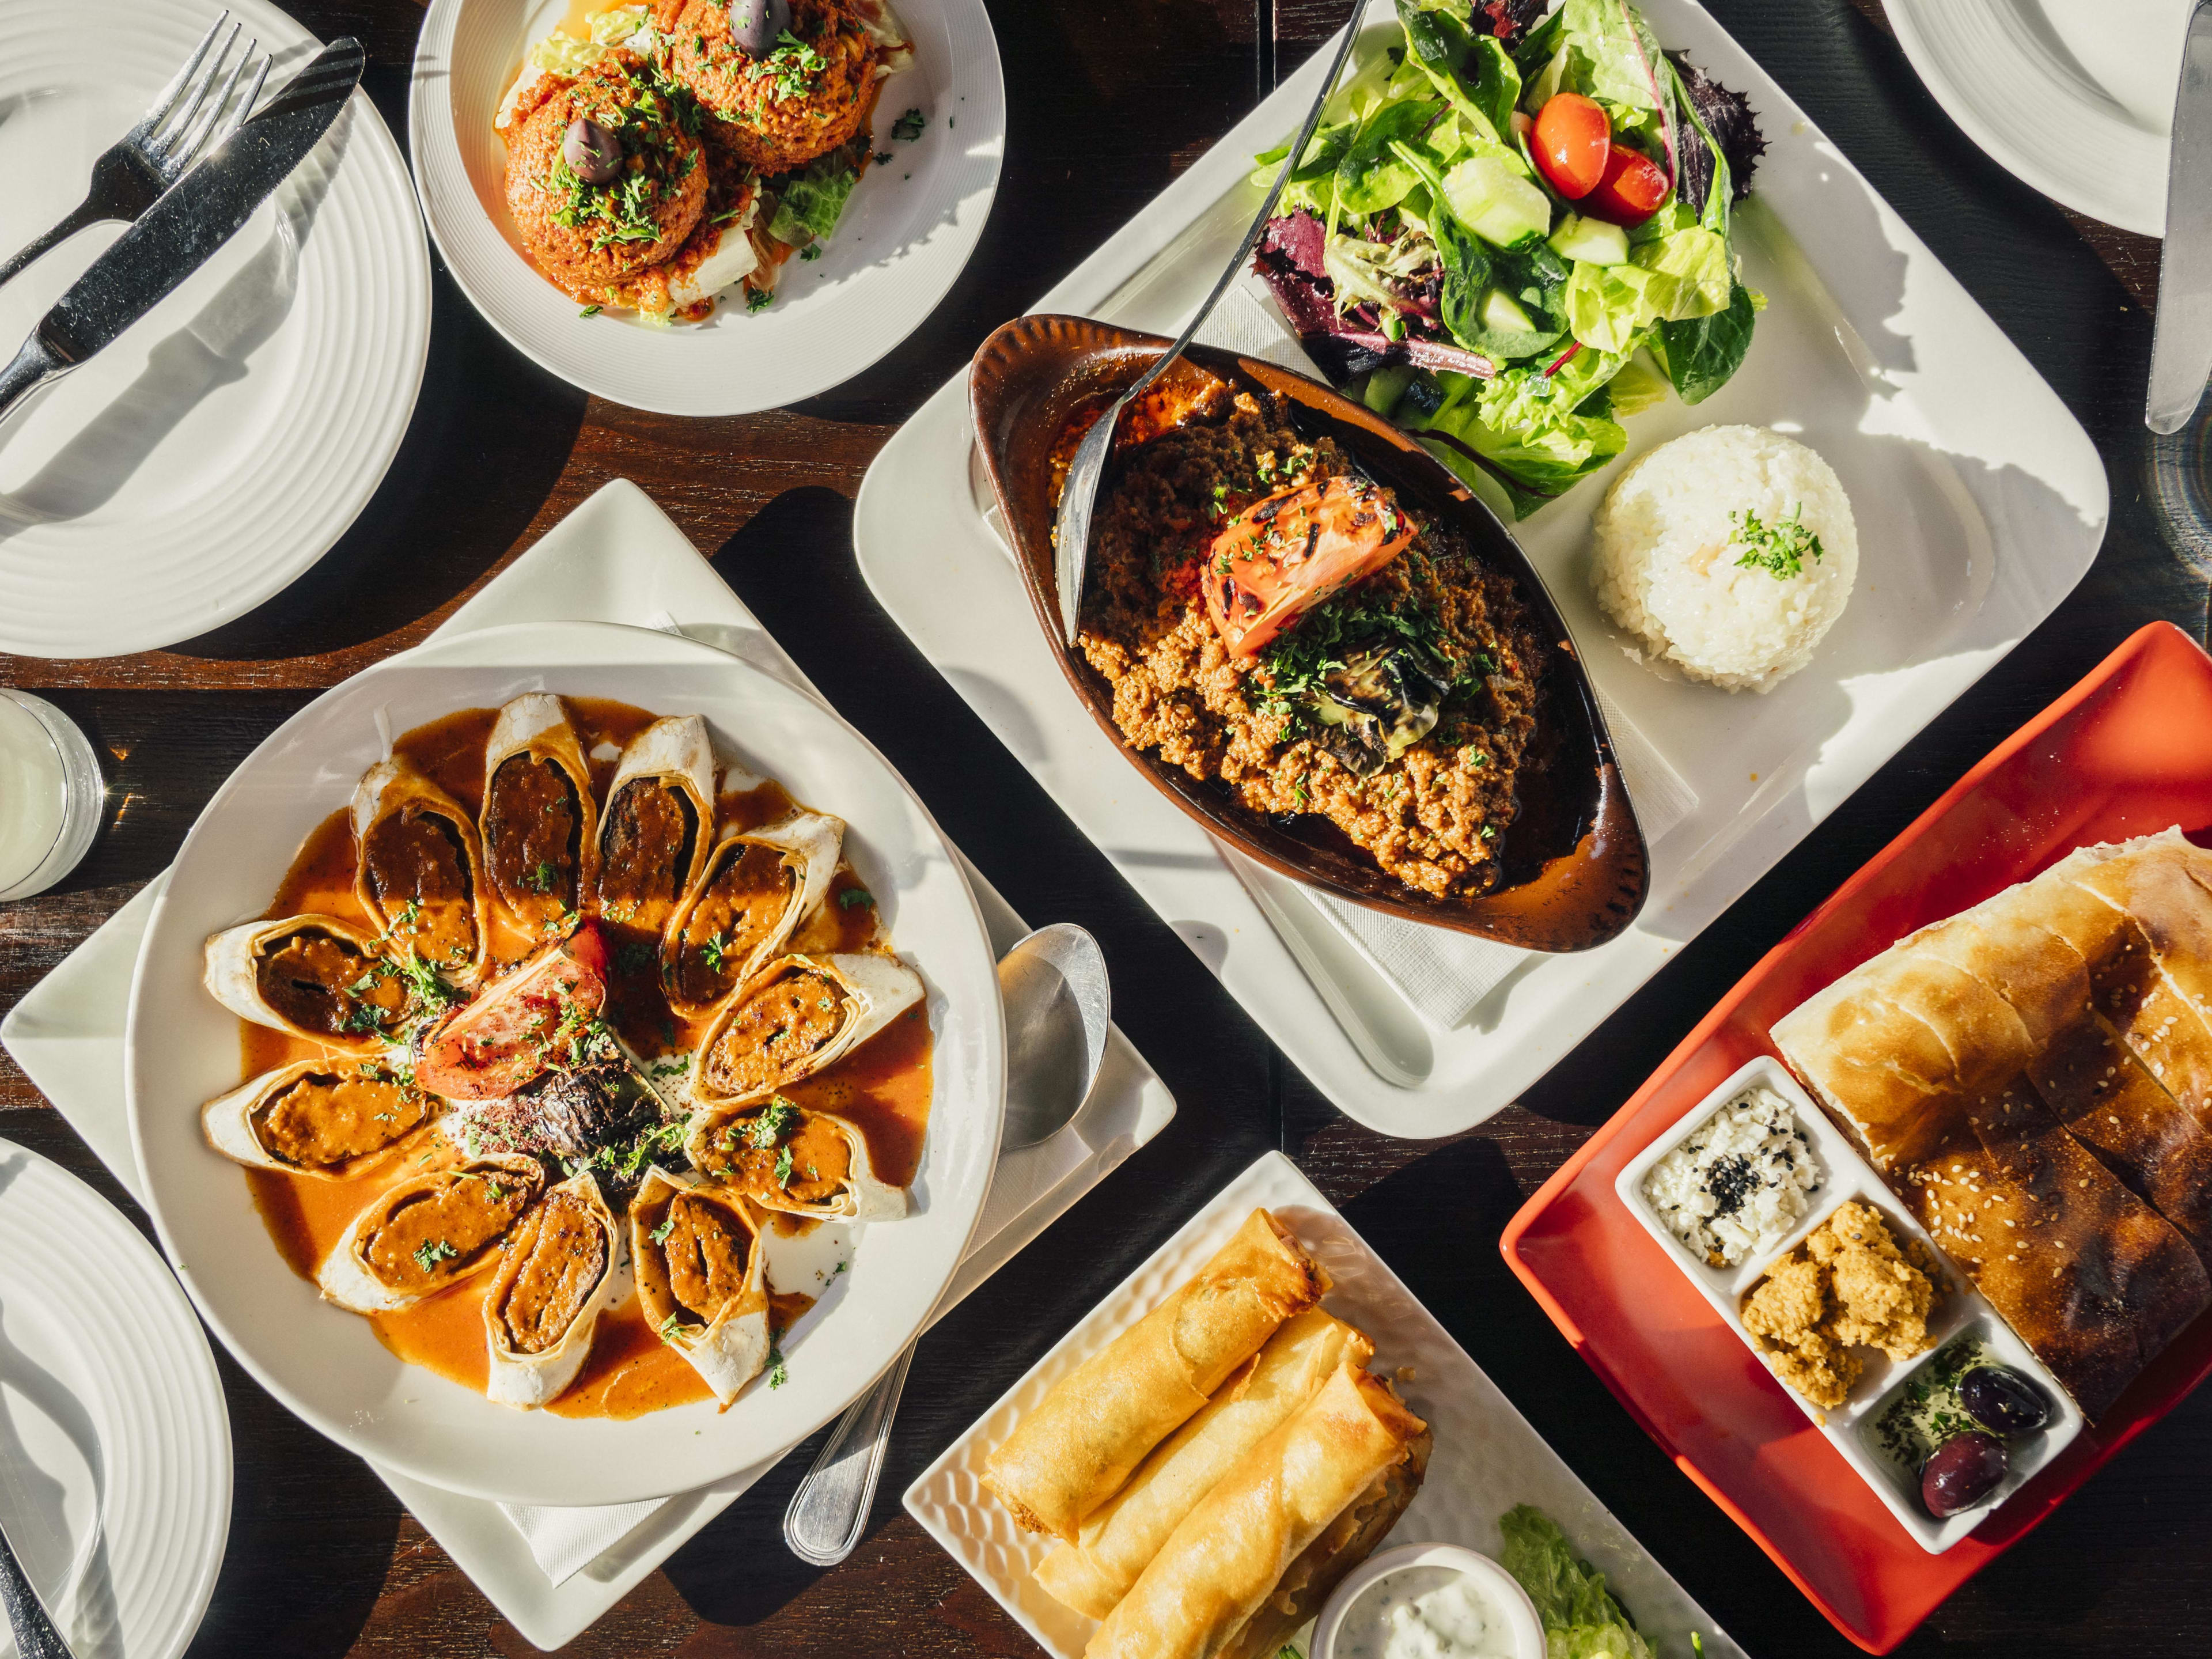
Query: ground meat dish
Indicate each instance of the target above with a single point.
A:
(588, 237)
(781, 112)
(1431, 815)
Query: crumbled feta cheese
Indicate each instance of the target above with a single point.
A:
(1739, 1182)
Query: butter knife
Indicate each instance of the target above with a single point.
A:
(2181, 348)
(181, 231)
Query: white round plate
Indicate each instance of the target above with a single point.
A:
(2075, 100)
(181, 1049)
(115, 1446)
(215, 451)
(905, 235)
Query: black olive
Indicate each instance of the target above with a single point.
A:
(1965, 1469)
(593, 154)
(2002, 1401)
(755, 25)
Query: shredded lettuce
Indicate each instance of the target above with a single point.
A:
(811, 201)
(1581, 1619)
(1686, 276)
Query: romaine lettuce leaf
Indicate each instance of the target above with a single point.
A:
(1533, 437)
(1581, 1619)
(1618, 55)
(1685, 276)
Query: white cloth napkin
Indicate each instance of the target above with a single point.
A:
(1443, 974)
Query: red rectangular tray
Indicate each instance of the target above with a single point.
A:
(2126, 752)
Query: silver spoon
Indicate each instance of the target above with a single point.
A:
(1071, 532)
(1058, 1001)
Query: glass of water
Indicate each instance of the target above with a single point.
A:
(51, 794)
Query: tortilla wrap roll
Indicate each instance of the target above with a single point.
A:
(1123, 1534)
(1218, 1579)
(1088, 1435)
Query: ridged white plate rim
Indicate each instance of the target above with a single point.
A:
(2011, 96)
(328, 1367)
(95, 587)
(155, 1401)
(832, 318)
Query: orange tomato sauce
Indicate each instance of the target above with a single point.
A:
(884, 1086)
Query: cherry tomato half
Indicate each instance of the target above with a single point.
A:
(1571, 142)
(1630, 191)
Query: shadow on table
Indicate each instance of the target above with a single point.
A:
(486, 446)
(312, 1536)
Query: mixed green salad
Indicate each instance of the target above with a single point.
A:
(1513, 229)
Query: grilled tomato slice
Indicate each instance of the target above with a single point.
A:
(1283, 555)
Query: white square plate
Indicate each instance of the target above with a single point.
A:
(1486, 1459)
(1980, 503)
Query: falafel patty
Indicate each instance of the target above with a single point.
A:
(780, 111)
(588, 237)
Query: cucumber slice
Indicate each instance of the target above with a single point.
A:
(1502, 313)
(1495, 202)
(1591, 240)
(1383, 386)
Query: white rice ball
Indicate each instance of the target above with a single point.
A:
(1673, 526)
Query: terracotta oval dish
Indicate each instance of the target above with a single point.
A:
(1572, 867)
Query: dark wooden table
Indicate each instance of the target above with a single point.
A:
(1108, 100)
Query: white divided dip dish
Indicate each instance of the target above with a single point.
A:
(1740, 1181)
(1960, 1308)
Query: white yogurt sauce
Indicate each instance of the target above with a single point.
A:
(1426, 1612)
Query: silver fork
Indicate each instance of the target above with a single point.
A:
(130, 175)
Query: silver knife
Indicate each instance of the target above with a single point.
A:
(181, 231)
(2181, 348)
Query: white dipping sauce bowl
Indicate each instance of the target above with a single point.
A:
(1526, 1629)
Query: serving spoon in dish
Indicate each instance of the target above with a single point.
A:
(1071, 534)
(1058, 1002)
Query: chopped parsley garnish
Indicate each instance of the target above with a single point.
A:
(659, 1235)
(783, 1167)
(672, 1326)
(711, 952)
(792, 66)
(777, 1375)
(428, 1256)
(589, 311)
(540, 879)
(1779, 548)
(813, 251)
(909, 126)
(778, 1116)
(852, 895)
(883, 157)
(633, 957)
(759, 299)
